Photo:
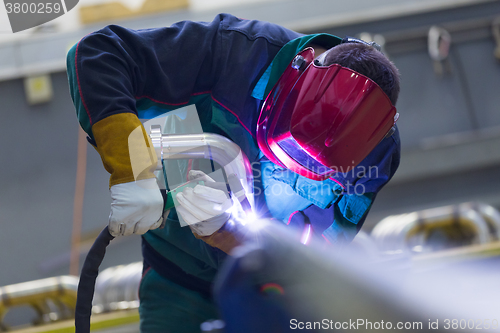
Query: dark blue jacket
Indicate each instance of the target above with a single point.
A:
(217, 67)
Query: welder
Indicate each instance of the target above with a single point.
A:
(313, 113)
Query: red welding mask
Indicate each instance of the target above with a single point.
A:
(319, 120)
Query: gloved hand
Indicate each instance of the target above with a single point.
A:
(136, 207)
(203, 208)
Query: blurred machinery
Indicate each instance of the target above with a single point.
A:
(437, 229)
(279, 279)
(53, 299)
(117, 288)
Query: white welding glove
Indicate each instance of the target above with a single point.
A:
(136, 207)
(203, 208)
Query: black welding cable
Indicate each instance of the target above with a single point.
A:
(86, 286)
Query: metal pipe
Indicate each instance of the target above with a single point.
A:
(490, 215)
(205, 146)
(39, 293)
(116, 288)
(406, 232)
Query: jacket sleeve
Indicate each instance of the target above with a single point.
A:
(113, 70)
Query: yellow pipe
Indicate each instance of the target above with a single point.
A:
(60, 290)
(113, 320)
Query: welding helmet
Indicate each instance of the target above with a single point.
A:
(319, 120)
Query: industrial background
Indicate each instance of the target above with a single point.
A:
(449, 116)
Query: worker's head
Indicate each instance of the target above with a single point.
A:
(365, 60)
(326, 114)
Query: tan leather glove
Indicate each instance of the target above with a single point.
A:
(128, 155)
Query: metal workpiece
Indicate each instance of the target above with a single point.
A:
(437, 229)
(204, 146)
(308, 284)
(52, 298)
